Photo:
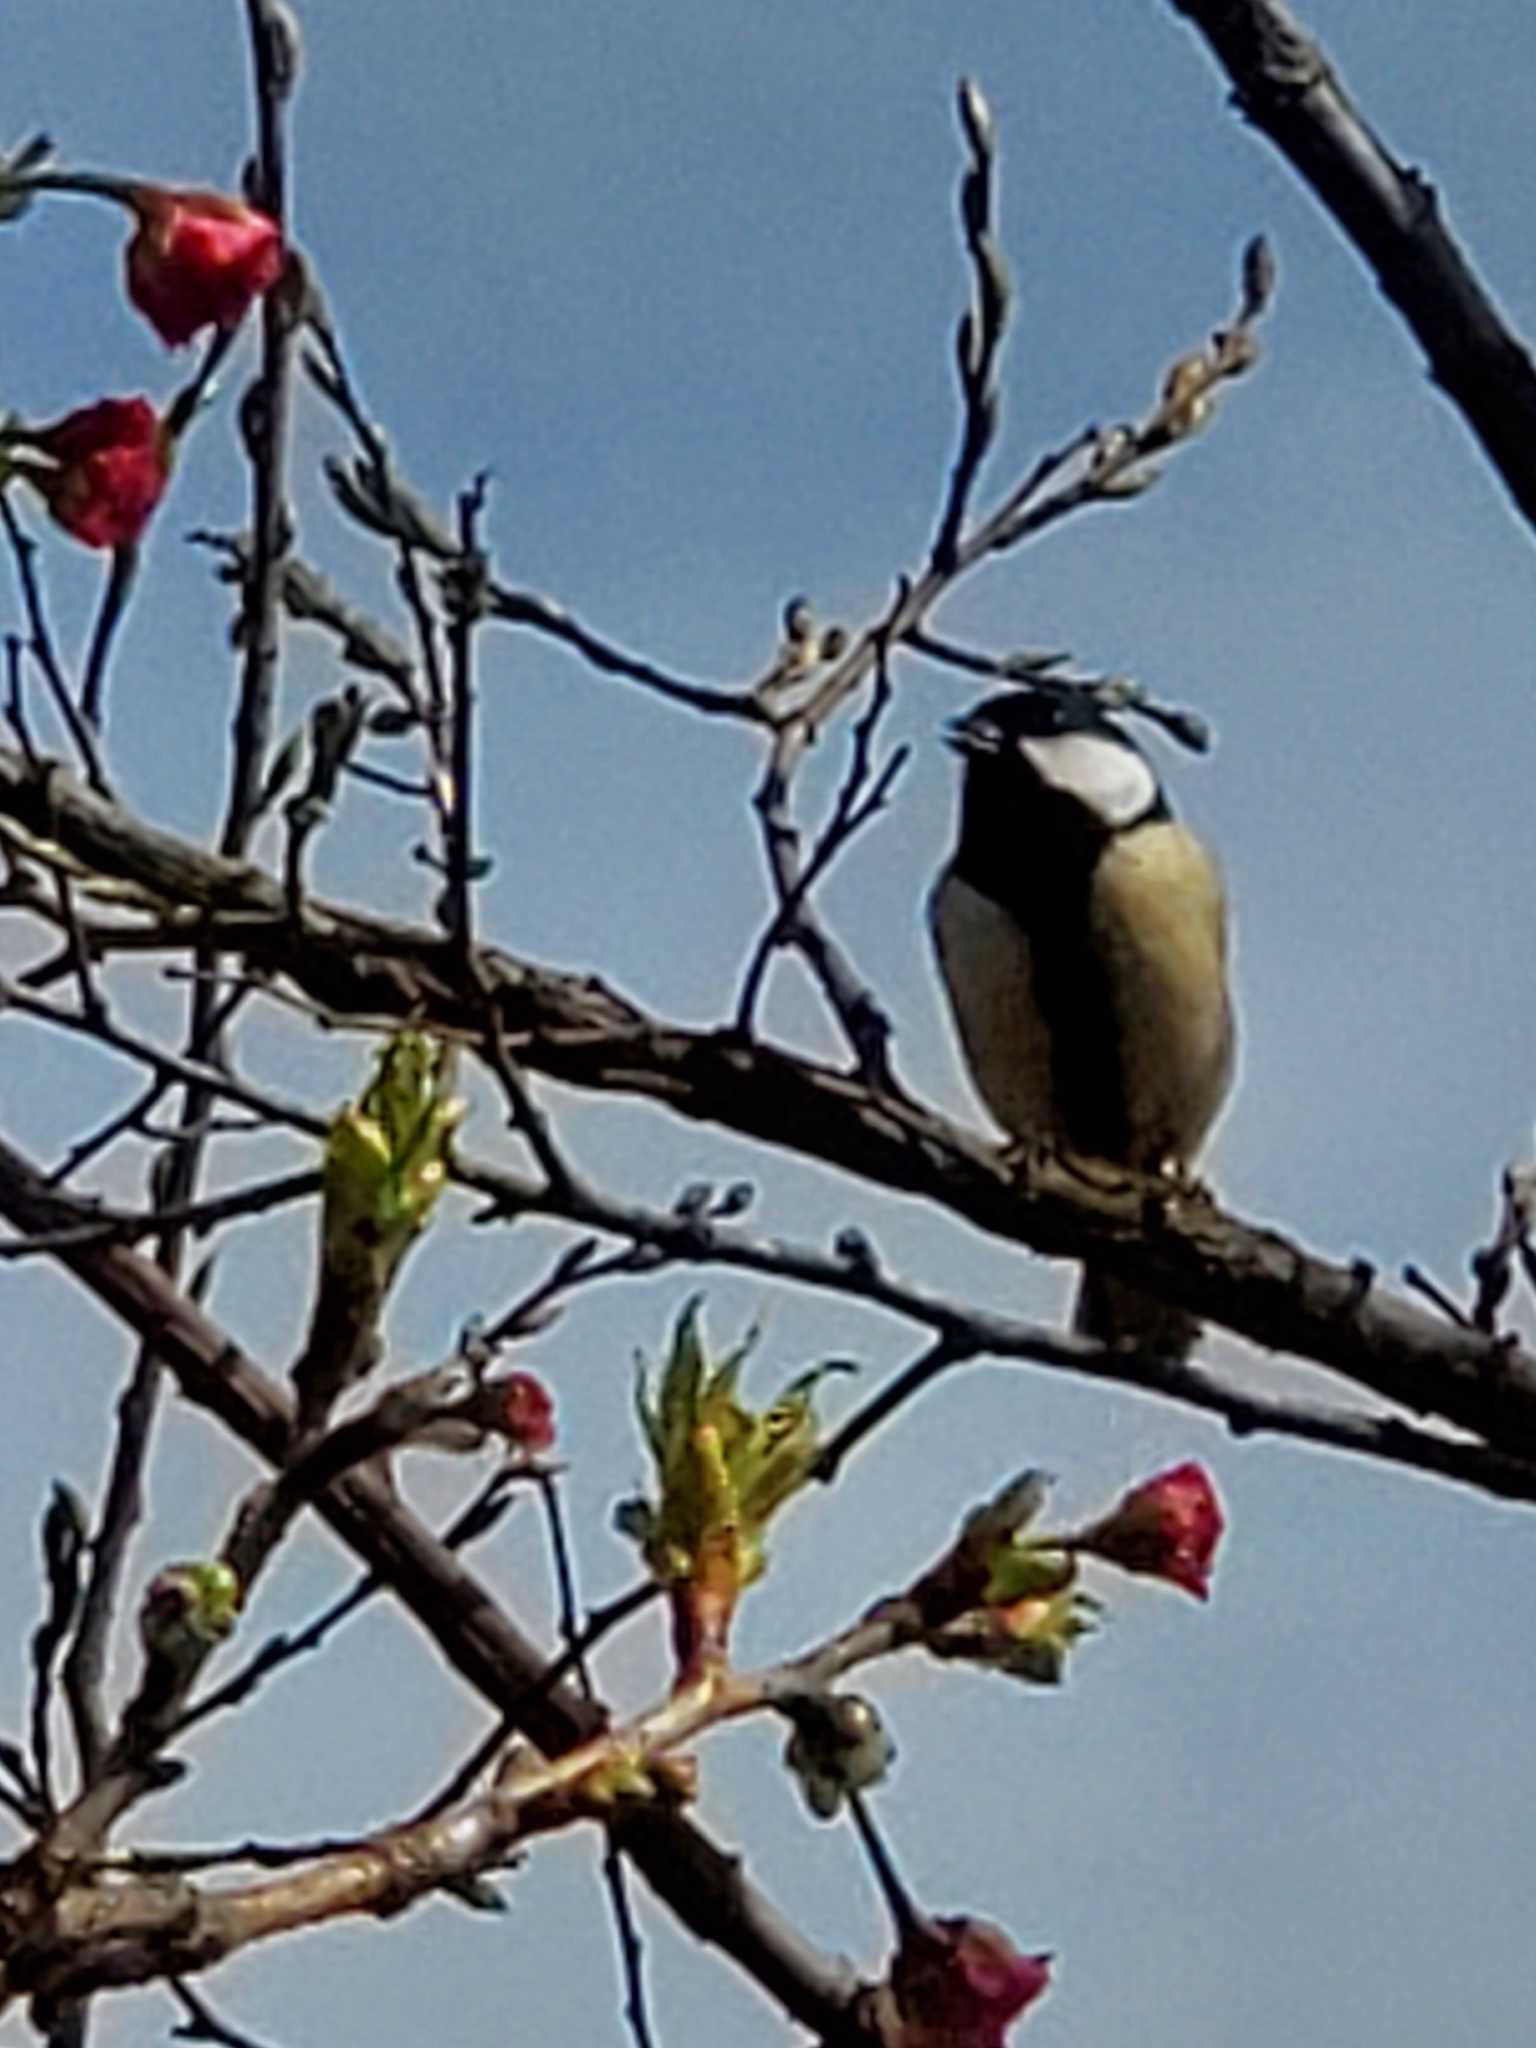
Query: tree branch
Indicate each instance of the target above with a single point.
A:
(705, 1887)
(1175, 1243)
(1284, 84)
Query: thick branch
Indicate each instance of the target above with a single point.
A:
(1285, 85)
(1254, 1281)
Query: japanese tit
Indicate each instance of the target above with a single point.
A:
(1081, 934)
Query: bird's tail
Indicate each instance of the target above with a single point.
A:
(1114, 1312)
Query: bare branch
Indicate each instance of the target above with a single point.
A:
(265, 420)
(40, 646)
(1285, 85)
(109, 616)
(864, 1022)
(122, 1510)
(982, 326)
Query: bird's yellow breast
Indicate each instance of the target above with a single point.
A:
(1047, 1059)
(1157, 912)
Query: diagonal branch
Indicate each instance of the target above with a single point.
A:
(1284, 84)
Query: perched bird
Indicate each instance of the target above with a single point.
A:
(1081, 933)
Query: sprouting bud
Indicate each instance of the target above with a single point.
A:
(1129, 483)
(723, 1470)
(1029, 1639)
(385, 1166)
(285, 47)
(962, 1576)
(525, 1412)
(1110, 446)
(1236, 351)
(188, 1609)
(101, 470)
(386, 1159)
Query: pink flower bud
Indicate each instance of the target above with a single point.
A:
(1168, 1527)
(108, 467)
(960, 1983)
(198, 259)
(527, 1412)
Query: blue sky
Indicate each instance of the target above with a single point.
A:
(684, 278)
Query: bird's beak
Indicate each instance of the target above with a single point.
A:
(971, 736)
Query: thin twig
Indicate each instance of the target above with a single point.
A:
(109, 616)
(482, 1513)
(615, 1878)
(865, 1023)
(982, 326)
(40, 646)
(464, 583)
(631, 1947)
(92, 1002)
(202, 2023)
(266, 416)
(525, 1116)
(15, 708)
(945, 1351)
(121, 1512)
(63, 1542)
(600, 1623)
(173, 1068)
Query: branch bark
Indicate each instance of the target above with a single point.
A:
(1284, 84)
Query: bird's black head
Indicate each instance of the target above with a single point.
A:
(1052, 763)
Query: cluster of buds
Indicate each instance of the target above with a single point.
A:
(1010, 1599)
(723, 1470)
(196, 260)
(1186, 400)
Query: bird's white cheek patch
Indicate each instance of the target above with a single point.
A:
(1111, 780)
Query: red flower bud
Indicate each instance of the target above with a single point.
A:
(198, 259)
(1168, 1527)
(527, 1412)
(108, 468)
(960, 1983)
